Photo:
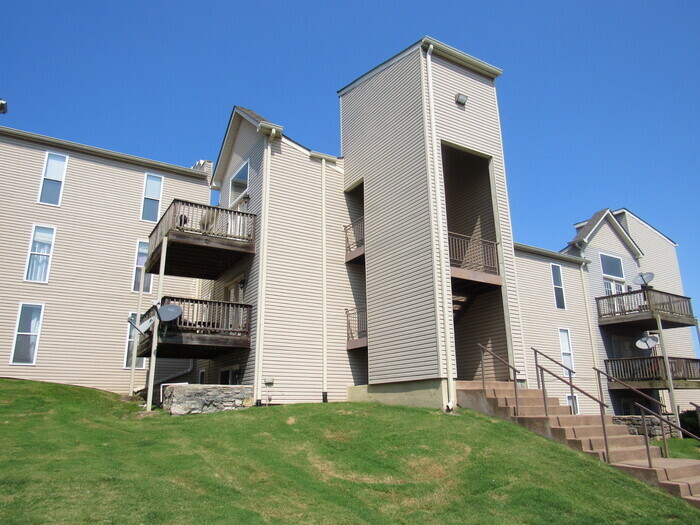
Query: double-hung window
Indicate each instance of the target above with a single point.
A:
(54, 176)
(239, 185)
(567, 352)
(27, 334)
(40, 251)
(558, 283)
(152, 192)
(140, 361)
(141, 254)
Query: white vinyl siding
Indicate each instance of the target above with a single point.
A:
(558, 283)
(141, 255)
(152, 193)
(567, 351)
(131, 332)
(52, 182)
(27, 333)
(40, 253)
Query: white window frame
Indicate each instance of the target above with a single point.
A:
(133, 274)
(38, 334)
(50, 255)
(244, 193)
(127, 364)
(608, 276)
(43, 178)
(143, 196)
(202, 376)
(555, 286)
(571, 351)
(577, 406)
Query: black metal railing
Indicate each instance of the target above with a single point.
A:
(473, 253)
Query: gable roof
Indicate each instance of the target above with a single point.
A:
(645, 223)
(589, 227)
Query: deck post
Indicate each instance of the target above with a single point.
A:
(667, 366)
(156, 322)
(134, 345)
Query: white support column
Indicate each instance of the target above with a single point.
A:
(669, 372)
(135, 344)
(154, 338)
(324, 285)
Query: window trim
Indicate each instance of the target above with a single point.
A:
(622, 267)
(231, 202)
(143, 196)
(43, 178)
(127, 366)
(16, 332)
(576, 401)
(29, 253)
(133, 273)
(555, 286)
(571, 350)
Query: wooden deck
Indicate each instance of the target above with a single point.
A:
(473, 264)
(206, 329)
(356, 327)
(637, 309)
(203, 241)
(650, 372)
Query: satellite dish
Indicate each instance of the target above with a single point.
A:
(169, 312)
(143, 327)
(643, 279)
(647, 342)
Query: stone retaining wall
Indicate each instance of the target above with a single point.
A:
(636, 426)
(180, 400)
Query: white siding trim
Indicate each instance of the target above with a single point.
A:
(43, 178)
(29, 253)
(38, 335)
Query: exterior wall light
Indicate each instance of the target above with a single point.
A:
(461, 99)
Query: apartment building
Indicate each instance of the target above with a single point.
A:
(75, 237)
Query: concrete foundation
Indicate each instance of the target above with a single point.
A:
(428, 393)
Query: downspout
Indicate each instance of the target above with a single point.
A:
(324, 277)
(441, 239)
(262, 281)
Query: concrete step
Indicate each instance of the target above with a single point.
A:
(585, 431)
(579, 420)
(527, 401)
(620, 455)
(523, 393)
(683, 487)
(539, 411)
(693, 500)
(666, 469)
(598, 442)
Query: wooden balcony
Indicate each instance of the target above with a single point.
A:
(206, 329)
(355, 241)
(636, 309)
(357, 327)
(203, 241)
(473, 263)
(650, 372)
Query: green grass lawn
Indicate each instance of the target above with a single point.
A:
(74, 455)
(687, 448)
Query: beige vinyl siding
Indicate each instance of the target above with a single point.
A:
(476, 127)
(541, 321)
(88, 297)
(248, 145)
(383, 139)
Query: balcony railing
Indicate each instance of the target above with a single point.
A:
(356, 322)
(208, 317)
(652, 368)
(355, 234)
(473, 253)
(641, 301)
(190, 217)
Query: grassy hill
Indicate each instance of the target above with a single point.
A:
(75, 455)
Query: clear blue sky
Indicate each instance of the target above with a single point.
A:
(599, 101)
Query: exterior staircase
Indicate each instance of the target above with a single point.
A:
(585, 433)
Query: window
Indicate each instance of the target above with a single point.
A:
(54, 175)
(202, 377)
(152, 190)
(27, 334)
(613, 287)
(40, 250)
(567, 354)
(612, 266)
(558, 283)
(573, 403)
(140, 361)
(239, 184)
(141, 254)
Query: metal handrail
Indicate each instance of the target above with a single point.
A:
(697, 411)
(355, 234)
(515, 375)
(662, 420)
(630, 387)
(541, 370)
(571, 371)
